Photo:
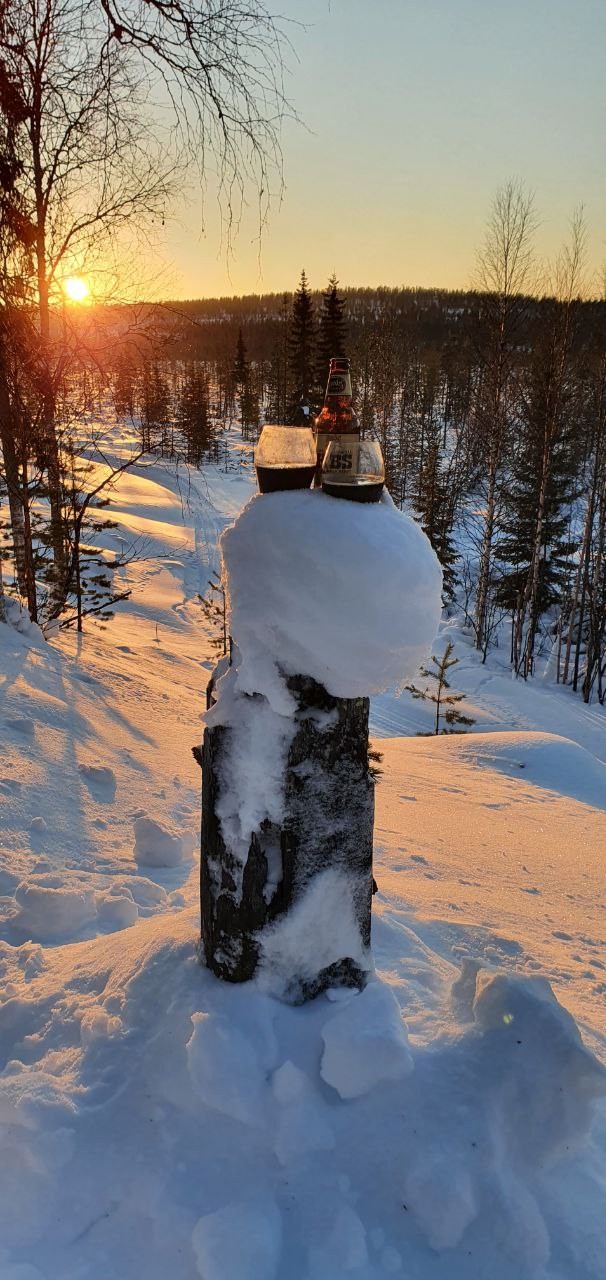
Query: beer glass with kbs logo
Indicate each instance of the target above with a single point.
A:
(353, 470)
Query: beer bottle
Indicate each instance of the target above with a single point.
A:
(336, 419)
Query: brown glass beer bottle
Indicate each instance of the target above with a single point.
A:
(336, 419)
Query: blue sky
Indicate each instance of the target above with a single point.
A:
(413, 114)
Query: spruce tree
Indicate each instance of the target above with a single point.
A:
(154, 408)
(436, 514)
(124, 384)
(301, 355)
(440, 697)
(240, 373)
(332, 330)
(278, 372)
(193, 416)
(543, 484)
(248, 397)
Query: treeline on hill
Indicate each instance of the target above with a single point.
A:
(490, 408)
(489, 405)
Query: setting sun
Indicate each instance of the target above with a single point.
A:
(75, 288)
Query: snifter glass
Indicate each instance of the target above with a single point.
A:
(285, 458)
(354, 470)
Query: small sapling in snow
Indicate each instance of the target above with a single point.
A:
(445, 703)
(214, 606)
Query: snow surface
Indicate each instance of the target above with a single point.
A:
(365, 1043)
(155, 1122)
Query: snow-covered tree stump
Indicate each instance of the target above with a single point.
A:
(321, 849)
(348, 595)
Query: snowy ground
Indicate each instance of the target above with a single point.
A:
(155, 1123)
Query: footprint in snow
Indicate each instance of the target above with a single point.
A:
(100, 780)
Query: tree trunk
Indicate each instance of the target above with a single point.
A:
(2, 605)
(486, 559)
(11, 476)
(327, 826)
(18, 498)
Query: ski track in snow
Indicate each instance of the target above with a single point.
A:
(156, 1122)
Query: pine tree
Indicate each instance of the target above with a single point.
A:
(301, 352)
(440, 698)
(332, 330)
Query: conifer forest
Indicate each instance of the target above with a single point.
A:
(490, 408)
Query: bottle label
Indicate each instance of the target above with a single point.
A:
(339, 384)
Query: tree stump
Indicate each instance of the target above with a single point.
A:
(327, 825)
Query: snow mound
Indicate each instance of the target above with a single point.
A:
(344, 1250)
(49, 908)
(100, 779)
(17, 617)
(545, 759)
(365, 1043)
(343, 592)
(512, 1099)
(229, 1059)
(157, 846)
(544, 1114)
(57, 907)
(442, 1200)
(117, 909)
(241, 1241)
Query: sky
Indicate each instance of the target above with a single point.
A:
(413, 112)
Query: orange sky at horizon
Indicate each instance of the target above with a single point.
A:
(412, 117)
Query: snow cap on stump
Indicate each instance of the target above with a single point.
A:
(349, 594)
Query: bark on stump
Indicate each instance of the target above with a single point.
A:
(328, 824)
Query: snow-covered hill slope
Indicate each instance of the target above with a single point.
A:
(156, 1123)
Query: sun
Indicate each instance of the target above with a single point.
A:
(75, 288)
